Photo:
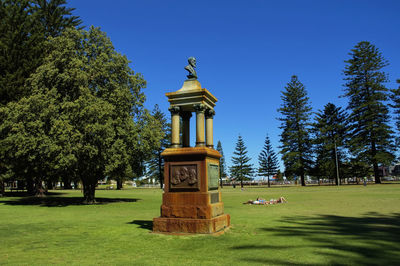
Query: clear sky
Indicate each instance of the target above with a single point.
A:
(246, 52)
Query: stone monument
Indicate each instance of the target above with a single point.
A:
(191, 202)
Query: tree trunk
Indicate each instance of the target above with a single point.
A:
(30, 186)
(119, 184)
(375, 163)
(268, 182)
(241, 183)
(49, 184)
(66, 183)
(89, 192)
(303, 183)
(2, 192)
(39, 190)
(220, 181)
(160, 172)
(376, 173)
(20, 185)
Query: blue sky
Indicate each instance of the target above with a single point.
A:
(246, 52)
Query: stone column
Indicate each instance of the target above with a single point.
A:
(209, 128)
(175, 127)
(200, 139)
(186, 128)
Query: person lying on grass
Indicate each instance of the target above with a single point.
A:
(261, 201)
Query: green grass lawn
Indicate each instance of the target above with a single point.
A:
(352, 225)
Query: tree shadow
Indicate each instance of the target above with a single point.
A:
(52, 201)
(26, 194)
(144, 224)
(371, 239)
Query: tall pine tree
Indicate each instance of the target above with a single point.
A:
(20, 48)
(268, 160)
(295, 136)
(395, 95)
(330, 130)
(54, 17)
(371, 140)
(156, 163)
(25, 26)
(241, 169)
(222, 171)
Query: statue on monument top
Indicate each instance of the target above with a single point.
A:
(192, 65)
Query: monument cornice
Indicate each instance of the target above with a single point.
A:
(190, 94)
(197, 151)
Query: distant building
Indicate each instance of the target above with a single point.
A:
(394, 170)
(383, 170)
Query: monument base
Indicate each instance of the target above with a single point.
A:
(214, 225)
(192, 199)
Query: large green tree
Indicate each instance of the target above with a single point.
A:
(156, 163)
(268, 160)
(241, 169)
(295, 124)
(27, 146)
(25, 26)
(330, 134)
(222, 167)
(98, 126)
(371, 136)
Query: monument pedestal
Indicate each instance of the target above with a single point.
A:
(192, 199)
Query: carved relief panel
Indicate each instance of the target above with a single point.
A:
(184, 177)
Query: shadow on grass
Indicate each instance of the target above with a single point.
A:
(52, 201)
(144, 224)
(372, 239)
(26, 194)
